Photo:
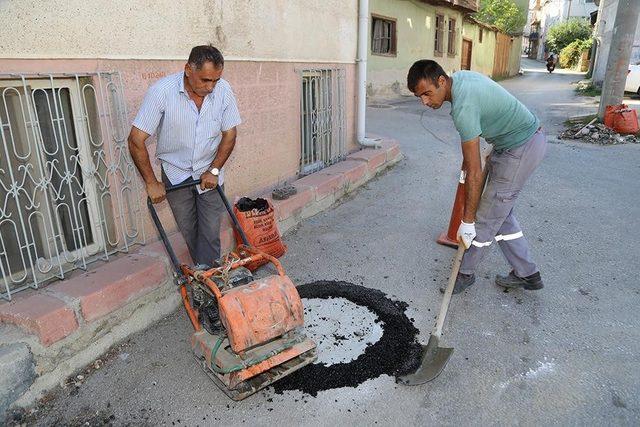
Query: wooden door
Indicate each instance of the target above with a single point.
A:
(466, 54)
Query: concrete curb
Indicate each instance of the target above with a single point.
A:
(16, 373)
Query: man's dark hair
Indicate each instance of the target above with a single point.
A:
(205, 53)
(424, 69)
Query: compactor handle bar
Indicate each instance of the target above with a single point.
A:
(163, 234)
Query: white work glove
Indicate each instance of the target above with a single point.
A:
(466, 233)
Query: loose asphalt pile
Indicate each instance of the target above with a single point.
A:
(597, 134)
(396, 353)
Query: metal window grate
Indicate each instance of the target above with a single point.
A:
(452, 42)
(68, 188)
(322, 119)
(439, 34)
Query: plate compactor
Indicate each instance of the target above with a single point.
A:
(248, 331)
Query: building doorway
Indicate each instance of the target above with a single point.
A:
(466, 54)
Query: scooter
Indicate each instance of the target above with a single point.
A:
(551, 64)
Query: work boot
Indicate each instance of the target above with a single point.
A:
(463, 281)
(512, 281)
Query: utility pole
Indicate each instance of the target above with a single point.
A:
(569, 11)
(624, 30)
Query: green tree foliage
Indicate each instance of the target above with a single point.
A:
(565, 33)
(570, 55)
(504, 14)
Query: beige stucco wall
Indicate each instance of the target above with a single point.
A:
(415, 26)
(482, 54)
(515, 56)
(301, 30)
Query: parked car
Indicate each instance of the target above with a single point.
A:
(633, 79)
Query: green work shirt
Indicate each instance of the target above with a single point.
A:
(481, 107)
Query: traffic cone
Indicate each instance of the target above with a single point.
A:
(450, 237)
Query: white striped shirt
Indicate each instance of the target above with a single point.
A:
(188, 139)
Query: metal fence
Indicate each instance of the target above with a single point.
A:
(322, 120)
(69, 194)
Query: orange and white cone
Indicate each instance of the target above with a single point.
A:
(449, 238)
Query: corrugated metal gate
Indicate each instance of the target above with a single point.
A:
(68, 188)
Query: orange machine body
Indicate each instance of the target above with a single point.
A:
(260, 311)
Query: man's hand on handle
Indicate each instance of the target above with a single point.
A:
(156, 191)
(208, 181)
(466, 233)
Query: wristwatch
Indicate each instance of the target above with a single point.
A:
(215, 171)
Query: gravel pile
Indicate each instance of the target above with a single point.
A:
(597, 134)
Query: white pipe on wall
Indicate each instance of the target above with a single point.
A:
(363, 37)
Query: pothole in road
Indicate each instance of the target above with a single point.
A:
(361, 334)
(341, 329)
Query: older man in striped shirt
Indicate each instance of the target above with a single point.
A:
(194, 115)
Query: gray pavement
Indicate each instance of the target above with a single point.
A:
(566, 355)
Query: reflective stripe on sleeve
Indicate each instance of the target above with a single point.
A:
(480, 244)
(506, 237)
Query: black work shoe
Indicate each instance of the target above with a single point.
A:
(531, 283)
(463, 281)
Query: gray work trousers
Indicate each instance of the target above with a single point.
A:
(508, 172)
(198, 219)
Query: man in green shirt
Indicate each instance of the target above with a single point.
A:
(482, 108)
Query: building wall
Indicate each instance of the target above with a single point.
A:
(265, 45)
(515, 56)
(556, 11)
(482, 53)
(387, 76)
(579, 8)
(604, 32)
(531, 17)
(164, 29)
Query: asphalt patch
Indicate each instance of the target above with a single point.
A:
(396, 353)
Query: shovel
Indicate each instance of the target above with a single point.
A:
(434, 358)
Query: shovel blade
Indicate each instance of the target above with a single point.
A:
(432, 362)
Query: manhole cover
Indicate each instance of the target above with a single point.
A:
(361, 334)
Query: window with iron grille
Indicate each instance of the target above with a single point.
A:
(68, 195)
(439, 36)
(451, 48)
(383, 36)
(322, 119)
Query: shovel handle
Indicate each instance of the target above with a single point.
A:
(163, 234)
(457, 260)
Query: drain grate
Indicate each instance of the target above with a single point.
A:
(395, 353)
